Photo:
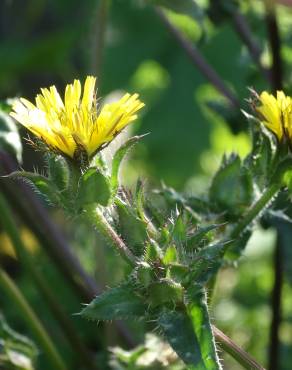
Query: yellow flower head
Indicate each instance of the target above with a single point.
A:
(76, 124)
(276, 113)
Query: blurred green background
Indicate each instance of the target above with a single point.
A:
(125, 43)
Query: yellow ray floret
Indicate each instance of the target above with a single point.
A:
(276, 113)
(76, 123)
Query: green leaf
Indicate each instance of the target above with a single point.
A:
(9, 137)
(93, 187)
(40, 184)
(117, 303)
(131, 227)
(260, 159)
(232, 187)
(206, 263)
(117, 160)
(189, 333)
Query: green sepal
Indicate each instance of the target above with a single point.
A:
(145, 273)
(165, 291)
(179, 228)
(170, 255)
(202, 235)
(114, 304)
(189, 333)
(58, 170)
(206, 263)
(117, 160)
(177, 272)
(9, 137)
(232, 187)
(93, 187)
(152, 252)
(40, 184)
(131, 227)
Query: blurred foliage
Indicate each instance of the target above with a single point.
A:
(16, 351)
(52, 42)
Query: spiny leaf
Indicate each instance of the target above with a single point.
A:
(117, 160)
(189, 333)
(202, 234)
(40, 183)
(117, 303)
(132, 228)
(94, 187)
(206, 263)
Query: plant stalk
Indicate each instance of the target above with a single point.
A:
(199, 61)
(242, 357)
(245, 34)
(255, 210)
(96, 217)
(12, 291)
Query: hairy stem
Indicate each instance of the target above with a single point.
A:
(255, 210)
(235, 351)
(96, 217)
(11, 290)
(7, 221)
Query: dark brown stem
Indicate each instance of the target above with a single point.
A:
(275, 44)
(244, 32)
(198, 60)
(277, 84)
(274, 347)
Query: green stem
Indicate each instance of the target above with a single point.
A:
(255, 209)
(235, 351)
(30, 317)
(7, 221)
(96, 217)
